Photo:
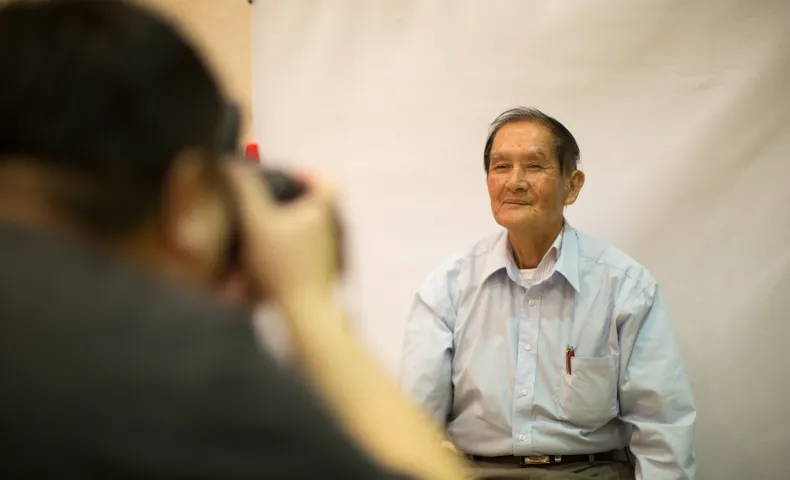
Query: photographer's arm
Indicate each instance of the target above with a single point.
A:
(290, 252)
(365, 400)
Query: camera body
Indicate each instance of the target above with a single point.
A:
(283, 187)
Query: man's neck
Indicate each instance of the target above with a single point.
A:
(530, 246)
(30, 211)
(25, 200)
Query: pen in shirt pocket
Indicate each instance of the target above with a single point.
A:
(569, 353)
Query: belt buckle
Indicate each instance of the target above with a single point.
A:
(535, 460)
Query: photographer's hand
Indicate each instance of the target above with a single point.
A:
(289, 251)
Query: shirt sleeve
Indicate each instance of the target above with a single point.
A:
(277, 412)
(655, 393)
(426, 362)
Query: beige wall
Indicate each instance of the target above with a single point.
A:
(683, 118)
(222, 29)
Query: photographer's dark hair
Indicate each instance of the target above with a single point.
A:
(567, 149)
(106, 94)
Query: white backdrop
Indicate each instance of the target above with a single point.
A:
(682, 111)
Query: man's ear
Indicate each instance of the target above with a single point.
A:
(573, 185)
(183, 203)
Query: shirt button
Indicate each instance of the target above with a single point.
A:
(527, 347)
(522, 437)
(524, 393)
(531, 302)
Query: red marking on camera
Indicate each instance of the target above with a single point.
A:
(252, 152)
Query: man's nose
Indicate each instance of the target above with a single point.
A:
(517, 179)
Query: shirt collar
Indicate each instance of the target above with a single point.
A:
(566, 246)
(568, 261)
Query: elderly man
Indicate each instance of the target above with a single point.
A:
(541, 347)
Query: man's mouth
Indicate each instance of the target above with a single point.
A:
(516, 202)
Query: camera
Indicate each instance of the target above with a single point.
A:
(283, 187)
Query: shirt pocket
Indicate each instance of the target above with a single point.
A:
(588, 397)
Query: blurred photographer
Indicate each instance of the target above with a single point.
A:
(116, 219)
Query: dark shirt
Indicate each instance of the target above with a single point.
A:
(107, 372)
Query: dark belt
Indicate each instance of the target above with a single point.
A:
(537, 460)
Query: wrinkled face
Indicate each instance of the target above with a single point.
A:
(526, 188)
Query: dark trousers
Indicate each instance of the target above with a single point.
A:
(571, 471)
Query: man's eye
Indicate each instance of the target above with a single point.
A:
(501, 166)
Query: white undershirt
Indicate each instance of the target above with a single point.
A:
(528, 273)
(546, 266)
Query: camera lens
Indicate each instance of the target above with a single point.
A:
(283, 187)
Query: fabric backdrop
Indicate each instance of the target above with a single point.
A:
(682, 112)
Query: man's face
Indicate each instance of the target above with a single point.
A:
(525, 185)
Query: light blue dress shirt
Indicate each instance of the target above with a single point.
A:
(485, 348)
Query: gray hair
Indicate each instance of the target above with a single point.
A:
(565, 145)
